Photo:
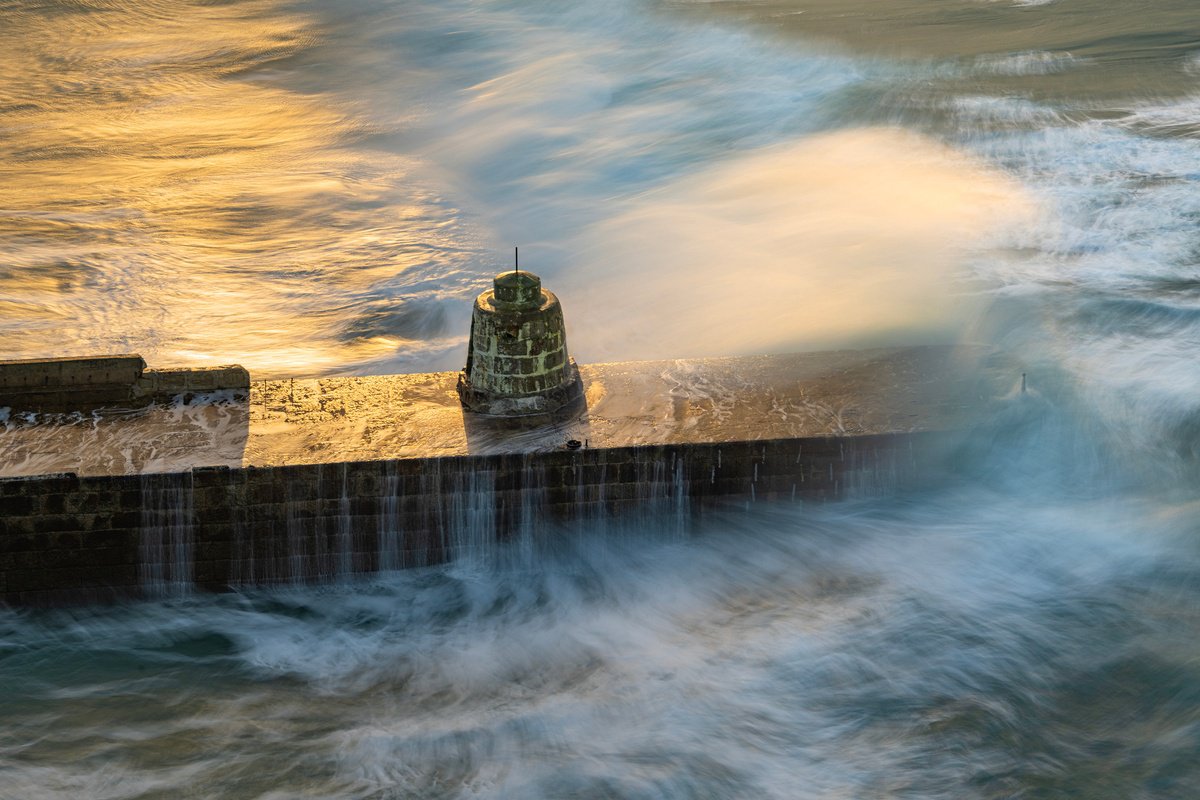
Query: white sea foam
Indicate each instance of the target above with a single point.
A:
(783, 654)
(1033, 62)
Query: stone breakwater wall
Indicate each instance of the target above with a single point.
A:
(84, 384)
(68, 539)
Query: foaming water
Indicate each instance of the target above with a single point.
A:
(318, 188)
(953, 648)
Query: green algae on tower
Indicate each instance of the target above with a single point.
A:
(517, 361)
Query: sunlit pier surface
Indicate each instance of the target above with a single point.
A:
(339, 419)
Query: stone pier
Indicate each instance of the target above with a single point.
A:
(326, 478)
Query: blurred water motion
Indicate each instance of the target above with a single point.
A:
(216, 183)
(951, 649)
(163, 192)
(318, 188)
(854, 237)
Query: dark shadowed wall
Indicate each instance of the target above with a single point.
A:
(70, 539)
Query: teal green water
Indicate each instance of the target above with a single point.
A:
(311, 188)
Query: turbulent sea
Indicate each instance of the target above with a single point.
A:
(321, 188)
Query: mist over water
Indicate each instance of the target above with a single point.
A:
(853, 237)
(311, 188)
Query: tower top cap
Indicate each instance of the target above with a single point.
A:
(518, 289)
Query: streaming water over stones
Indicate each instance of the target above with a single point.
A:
(315, 188)
(165, 555)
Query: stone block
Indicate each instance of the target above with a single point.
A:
(217, 475)
(329, 484)
(111, 556)
(16, 505)
(15, 542)
(366, 484)
(53, 558)
(163, 384)
(70, 372)
(212, 498)
(509, 347)
(216, 524)
(209, 379)
(127, 520)
(129, 499)
(53, 504)
(68, 540)
(83, 503)
(123, 370)
(209, 549)
(534, 328)
(53, 523)
(263, 491)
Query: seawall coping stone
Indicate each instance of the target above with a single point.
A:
(86, 384)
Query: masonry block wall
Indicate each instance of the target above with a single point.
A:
(82, 384)
(71, 539)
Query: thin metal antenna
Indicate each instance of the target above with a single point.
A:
(516, 259)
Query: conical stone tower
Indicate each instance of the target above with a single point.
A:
(517, 362)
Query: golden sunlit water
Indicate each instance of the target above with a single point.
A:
(238, 183)
(164, 191)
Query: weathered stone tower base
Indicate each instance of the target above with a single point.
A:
(517, 362)
(558, 400)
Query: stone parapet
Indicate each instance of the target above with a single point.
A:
(59, 385)
(163, 384)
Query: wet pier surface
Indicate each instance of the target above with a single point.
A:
(329, 420)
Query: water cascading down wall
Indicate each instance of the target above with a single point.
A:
(73, 539)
